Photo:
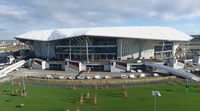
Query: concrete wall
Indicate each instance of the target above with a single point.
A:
(83, 67)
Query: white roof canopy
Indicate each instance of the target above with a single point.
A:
(139, 32)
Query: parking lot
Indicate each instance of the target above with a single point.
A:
(24, 72)
(54, 74)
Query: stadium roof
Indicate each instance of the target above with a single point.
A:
(135, 32)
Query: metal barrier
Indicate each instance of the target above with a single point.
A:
(57, 84)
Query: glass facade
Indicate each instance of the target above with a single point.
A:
(163, 50)
(97, 48)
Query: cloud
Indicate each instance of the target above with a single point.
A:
(2, 29)
(190, 28)
(19, 16)
(5, 10)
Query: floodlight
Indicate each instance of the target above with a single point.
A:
(158, 93)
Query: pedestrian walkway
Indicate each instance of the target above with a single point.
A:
(4, 72)
(176, 72)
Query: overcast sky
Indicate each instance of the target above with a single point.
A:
(18, 16)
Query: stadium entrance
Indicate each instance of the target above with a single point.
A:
(95, 67)
(55, 66)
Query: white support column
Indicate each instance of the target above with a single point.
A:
(121, 48)
(140, 48)
(173, 50)
(70, 55)
(188, 46)
(162, 50)
(86, 42)
(48, 52)
(175, 46)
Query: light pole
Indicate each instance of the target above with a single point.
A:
(155, 93)
(187, 86)
(24, 87)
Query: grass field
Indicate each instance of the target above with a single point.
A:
(174, 98)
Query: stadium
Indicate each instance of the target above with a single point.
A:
(99, 48)
(122, 68)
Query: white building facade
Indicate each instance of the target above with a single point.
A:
(104, 43)
(90, 45)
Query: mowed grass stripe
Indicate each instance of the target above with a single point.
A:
(174, 98)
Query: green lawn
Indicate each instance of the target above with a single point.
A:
(174, 98)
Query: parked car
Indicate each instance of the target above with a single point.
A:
(88, 77)
(139, 70)
(155, 74)
(132, 76)
(133, 71)
(142, 75)
(80, 77)
(1, 68)
(71, 77)
(61, 77)
(97, 77)
(107, 77)
(124, 76)
(49, 77)
(188, 70)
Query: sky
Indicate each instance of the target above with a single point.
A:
(20, 16)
